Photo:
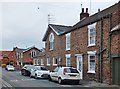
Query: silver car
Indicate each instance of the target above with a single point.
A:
(65, 74)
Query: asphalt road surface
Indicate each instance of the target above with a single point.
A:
(15, 79)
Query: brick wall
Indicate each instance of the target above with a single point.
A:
(27, 55)
(79, 45)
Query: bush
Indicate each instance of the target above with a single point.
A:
(3, 65)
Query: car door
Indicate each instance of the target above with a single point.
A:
(54, 74)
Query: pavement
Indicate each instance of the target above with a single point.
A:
(85, 83)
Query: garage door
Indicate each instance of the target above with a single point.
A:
(116, 71)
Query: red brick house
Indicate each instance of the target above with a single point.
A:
(92, 45)
(39, 59)
(25, 56)
(8, 57)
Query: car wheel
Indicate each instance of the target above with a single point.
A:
(49, 78)
(21, 73)
(30, 75)
(35, 76)
(76, 82)
(60, 81)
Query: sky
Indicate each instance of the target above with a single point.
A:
(24, 23)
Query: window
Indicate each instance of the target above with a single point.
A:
(91, 62)
(33, 53)
(51, 41)
(42, 62)
(55, 61)
(36, 62)
(68, 60)
(68, 41)
(48, 61)
(91, 34)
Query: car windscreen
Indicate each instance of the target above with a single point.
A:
(71, 70)
(41, 68)
(10, 66)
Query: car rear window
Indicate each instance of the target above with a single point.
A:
(43, 68)
(71, 70)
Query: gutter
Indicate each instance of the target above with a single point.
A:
(100, 56)
(109, 48)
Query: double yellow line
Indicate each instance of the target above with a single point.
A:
(6, 85)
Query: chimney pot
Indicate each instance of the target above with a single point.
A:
(86, 10)
(84, 14)
(82, 10)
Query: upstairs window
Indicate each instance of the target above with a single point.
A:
(33, 53)
(68, 41)
(91, 34)
(51, 41)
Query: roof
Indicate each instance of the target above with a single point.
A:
(58, 29)
(117, 27)
(96, 17)
(30, 49)
(19, 49)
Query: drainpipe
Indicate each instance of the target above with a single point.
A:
(109, 43)
(100, 55)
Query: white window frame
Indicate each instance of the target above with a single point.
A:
(51, 41)
(41, 61)
(68, 41)
(91, 53)
(48, 59)
(54, 64)
(36, 62)
(33, 53)
(92, 26)
(68, 56)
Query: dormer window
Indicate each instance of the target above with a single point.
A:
(51, 41)
(91, 34)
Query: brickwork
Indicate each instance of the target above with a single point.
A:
(79, 45)
(27, 55)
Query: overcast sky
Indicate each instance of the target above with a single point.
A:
(23, 24)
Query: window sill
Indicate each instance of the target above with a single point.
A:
(67, 49)
(42, 64)
(48, 64)
(50, 49)
(91, 72)
(54, 64)
(90, 45)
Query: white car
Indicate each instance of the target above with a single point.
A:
(62, 74)
(10, 67)
(39, 72)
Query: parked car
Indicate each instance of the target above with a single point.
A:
(26, 70)
(62, 74)
(10, 67)
(39, 72)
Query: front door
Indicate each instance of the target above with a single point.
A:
(80, 65)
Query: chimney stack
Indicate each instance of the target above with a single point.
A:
(84, 14)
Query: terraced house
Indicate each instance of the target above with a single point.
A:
(92, 45)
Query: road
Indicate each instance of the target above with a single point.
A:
(15, 79)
